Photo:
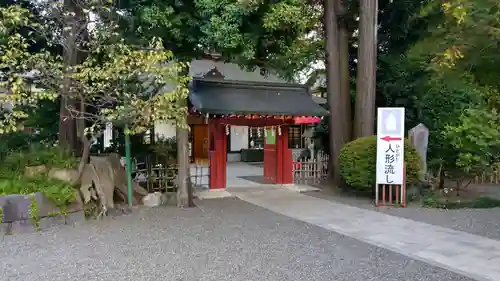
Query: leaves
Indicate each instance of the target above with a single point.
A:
(272, 35)
(20, 68)
(465, 39)
(133, 86)
(476, 139)
(116, 82)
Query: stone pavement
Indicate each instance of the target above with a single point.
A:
(474, 256)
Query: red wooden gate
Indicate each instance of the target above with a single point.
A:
(270, 157)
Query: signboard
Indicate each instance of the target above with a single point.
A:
(270, 135)
(390, 145)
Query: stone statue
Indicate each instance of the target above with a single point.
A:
(419, 137)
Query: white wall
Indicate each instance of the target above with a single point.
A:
(164, 130)
(108, 135)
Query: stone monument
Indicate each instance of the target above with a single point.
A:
(419, 137)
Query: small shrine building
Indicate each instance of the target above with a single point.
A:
(216, 104)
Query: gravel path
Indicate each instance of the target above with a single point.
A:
(483, 222)
(224, 239)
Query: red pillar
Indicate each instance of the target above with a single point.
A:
(218, 157)
(284, 158)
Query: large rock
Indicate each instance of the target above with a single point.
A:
(33, 171)
(17, 207)
(419, 137)
(65, 175)
(17, 213)
(152, 199)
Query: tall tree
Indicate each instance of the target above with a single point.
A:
(334, 95)
(345, 73)
(366, 70)
(271, 35)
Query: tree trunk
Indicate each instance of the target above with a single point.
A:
(336, 117)
(366, 70)
(184, 190)
(345, 74)
(67, 130)
(75, 46)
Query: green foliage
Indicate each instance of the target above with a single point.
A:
(18, 66)
(358, 164)
(39, 154)
(446, 79)
(476, 141)
(463, 39)
(14, 181)
(119, 83)
(60, 193)
(250, 33)
(446, 203)
(132, 86)
(34, 213)
(166, 150)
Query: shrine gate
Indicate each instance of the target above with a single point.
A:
(274, 106)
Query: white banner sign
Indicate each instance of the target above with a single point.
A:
(390, 145)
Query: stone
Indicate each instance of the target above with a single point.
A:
(152, 199)
(414, 192)
(32, 171)
(65, 175)
(76, 205)
(419, 137)
(16, 209)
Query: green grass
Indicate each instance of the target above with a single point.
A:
(445, 203)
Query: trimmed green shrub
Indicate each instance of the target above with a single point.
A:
(358, 164)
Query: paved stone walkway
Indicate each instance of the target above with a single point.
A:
(474, 256)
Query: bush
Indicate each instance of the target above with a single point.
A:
(165, 150)
(14, 181)
(38, 154)
(358, 164)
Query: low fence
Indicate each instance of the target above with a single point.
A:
(310, 171)
(484, 178)
(487, 178)
(163, 178)
(200, 175)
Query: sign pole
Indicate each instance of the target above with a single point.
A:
(128, 166)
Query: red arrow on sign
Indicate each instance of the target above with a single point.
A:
(388, 138)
